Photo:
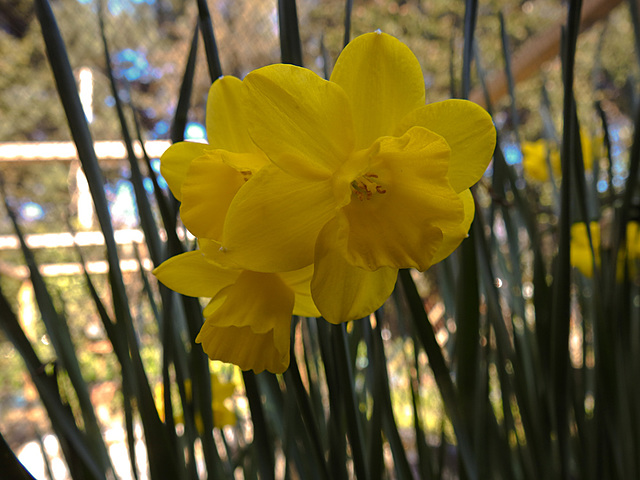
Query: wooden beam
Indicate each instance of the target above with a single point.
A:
(65, 151)
(541, 48)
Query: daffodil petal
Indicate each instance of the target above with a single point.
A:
(469, 131)
(400, 224)
(245, 162)
(207, 192)
(261, 301)
(342, 291)
(383, 81)
(243, 347)
(175, 162)
(215, 302)
(226, 122)
(191, 274)
(259, 307)
(274, 219)
(454, 234)
(302, 122)
(300, 282)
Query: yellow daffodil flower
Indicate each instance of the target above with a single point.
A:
(592, 148)
(534, 160)
(220, 392)
(535, 154)
(248, 320)
(205, 177)
(364, 177)
(582, 258)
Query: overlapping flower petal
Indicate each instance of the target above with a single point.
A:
(309, 131)
(274, 220)
(225, 120)
(399, 224)
(468, 130)
(341, 290)
(243, 347)
(383, 81)
(191, 274)
(204, 209)
(175, 162)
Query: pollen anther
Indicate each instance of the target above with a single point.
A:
(364, 187)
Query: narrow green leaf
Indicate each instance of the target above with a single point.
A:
(470, 17)
(606, 138)
(58, 331)
(179, 121)
(12, 467)
(326, 59)
(210, 46)
(345, 377)
(166, 213)
(145, 213)
(161, 458)
(294, 382)
(348, 7)
(389, 426)
(506, 54)
(290, 44)
(193, 364)
(61, 418)
(336, 437)
(561, 307)
(425, 460)
(467, 339)
(262, 443)
(376, 389)
(440, 370)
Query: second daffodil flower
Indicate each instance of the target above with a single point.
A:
(364, 178)
(248, 320)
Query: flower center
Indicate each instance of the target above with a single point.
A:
(365, 186)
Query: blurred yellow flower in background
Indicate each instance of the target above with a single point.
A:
(581, 255)
(221, 393)
(539, 154)
(582, 258)
(536, 157)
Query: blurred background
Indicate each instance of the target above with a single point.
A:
(149, 42)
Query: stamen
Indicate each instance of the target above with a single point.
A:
(364, 187)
